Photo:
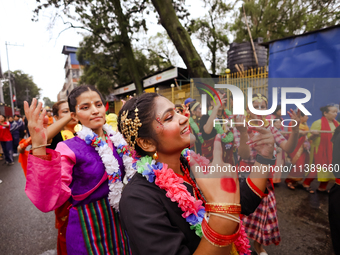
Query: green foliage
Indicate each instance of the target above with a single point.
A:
(20, 81)
(48, 102)
(211, 31)
(109, 67)
(274, 19)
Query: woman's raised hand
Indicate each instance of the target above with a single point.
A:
(221, 184)
(263, 142)
(37, 122)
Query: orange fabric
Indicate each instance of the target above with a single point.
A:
(61, 220)
(23, 161)
(50, 120)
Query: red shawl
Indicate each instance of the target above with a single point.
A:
(325, 150)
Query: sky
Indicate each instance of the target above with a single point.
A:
(39, 47)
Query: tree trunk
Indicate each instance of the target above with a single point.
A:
(181, 39)
(123, 24)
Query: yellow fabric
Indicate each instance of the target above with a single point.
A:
(322, 176)
(66, 134)
(303, 127)
(111, 119)
(233, 250)
(265, 121)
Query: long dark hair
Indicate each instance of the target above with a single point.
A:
(77, 91)
(55, 107)
(146, 113)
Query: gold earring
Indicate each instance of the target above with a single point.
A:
(78, 128)
(155, 155)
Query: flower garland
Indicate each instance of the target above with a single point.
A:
(110, 162)
(193, 210)
(226, 138)
(196, 129)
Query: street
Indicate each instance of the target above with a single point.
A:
(25, 230)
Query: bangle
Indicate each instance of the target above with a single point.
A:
(265, 161)
(217, 239)
(226, 216)
(40, 146)
(223, 208)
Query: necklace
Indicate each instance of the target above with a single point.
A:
(110, 162)
(193, 184)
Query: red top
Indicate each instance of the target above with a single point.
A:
(5, 134)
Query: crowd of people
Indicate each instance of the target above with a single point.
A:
(126, 184)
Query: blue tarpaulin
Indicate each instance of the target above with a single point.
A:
(310, 61)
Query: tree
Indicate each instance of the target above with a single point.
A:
(109, 66)
(105, 20)
(181, 38)
(211, 29)
(48, 102)
(160, 51)
(21, 82)
(274, 19)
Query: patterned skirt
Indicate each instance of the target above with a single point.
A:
(101, 228)
(262, 225)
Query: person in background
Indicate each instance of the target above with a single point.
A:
(210, 129)
(262, 226)
(49, 115)
(21, 126)
(66, 131)
(194, 121)
(6, 140)
(321, 147)
(26, 131)
(188, 101)
(15, 128)
(300, 156)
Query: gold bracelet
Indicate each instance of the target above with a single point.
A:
(223, 208)
(40, 146)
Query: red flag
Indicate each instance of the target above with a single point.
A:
(14, 98)
(107, 106)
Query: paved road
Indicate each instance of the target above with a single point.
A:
(25, 230)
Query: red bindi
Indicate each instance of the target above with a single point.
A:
(228, 185)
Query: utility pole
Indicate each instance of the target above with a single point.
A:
(9, 77)
(9, 80)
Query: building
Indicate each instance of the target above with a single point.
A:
(172, 83)
(73, 71)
